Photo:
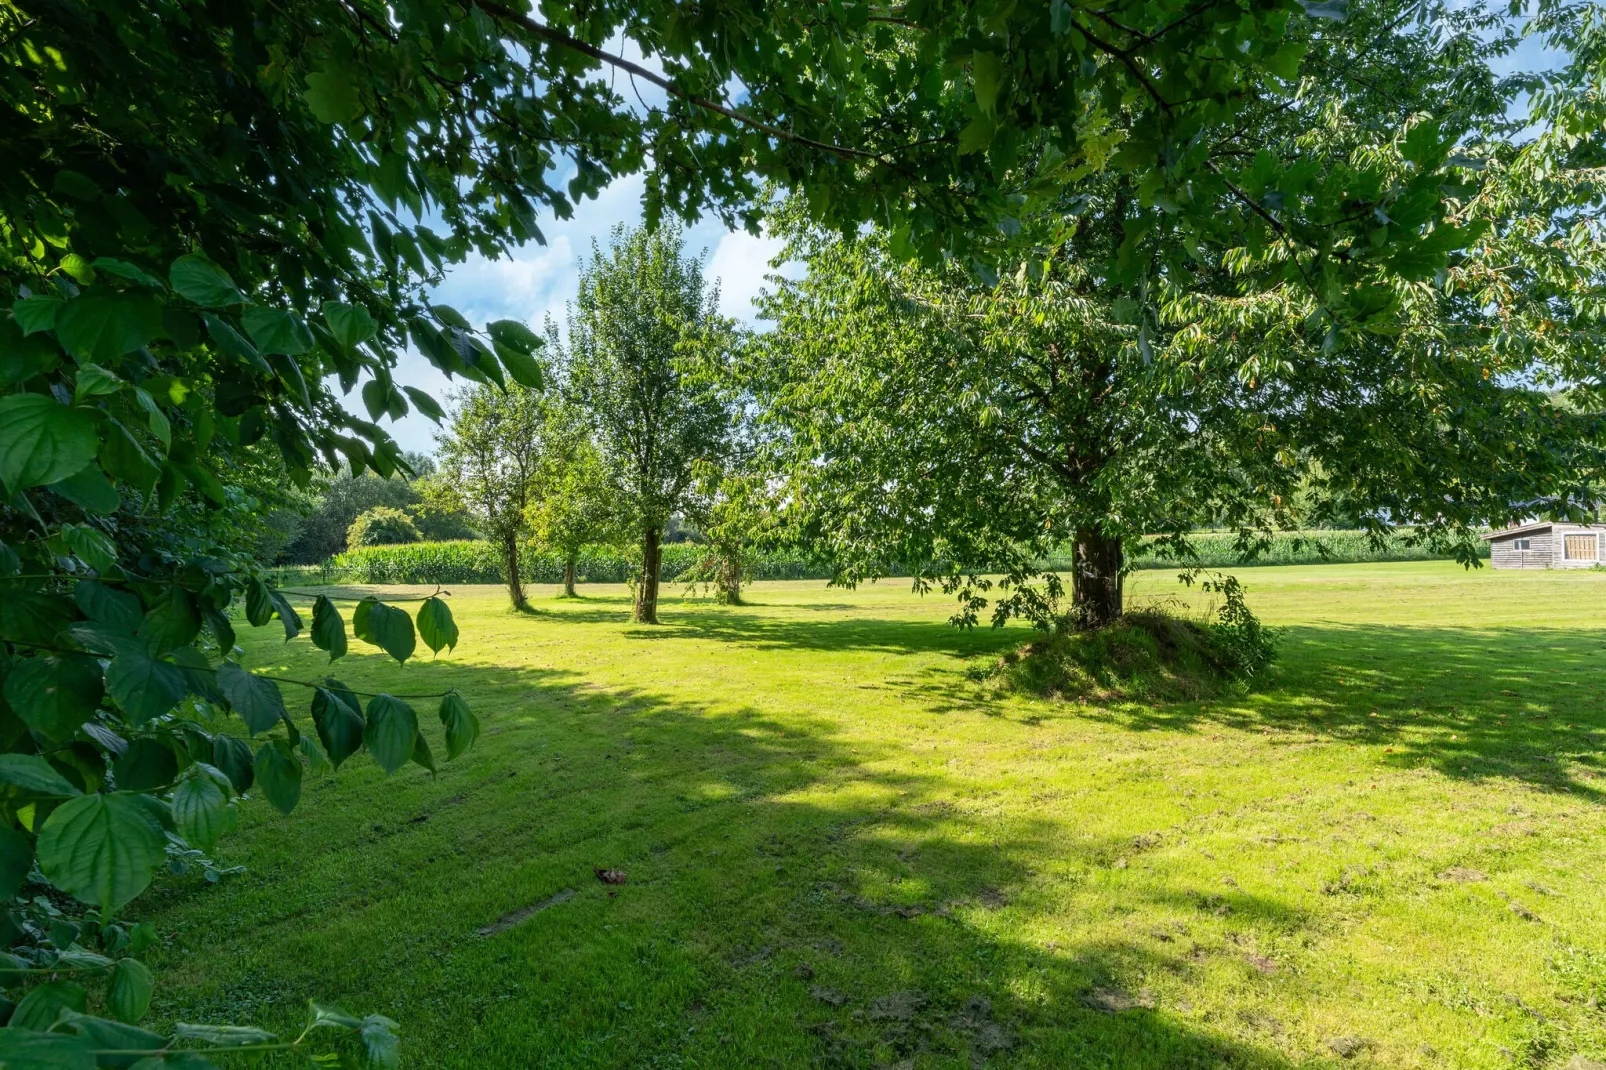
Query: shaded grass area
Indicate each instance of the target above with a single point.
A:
(842, 852)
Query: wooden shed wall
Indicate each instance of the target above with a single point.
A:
(1503, 552)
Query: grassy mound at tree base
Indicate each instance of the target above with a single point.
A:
(1146, 655)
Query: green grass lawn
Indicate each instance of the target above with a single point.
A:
(842, 851)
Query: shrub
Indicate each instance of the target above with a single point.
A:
(381, 526)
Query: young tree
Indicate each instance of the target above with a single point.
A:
(731, 507)
(576, 506)
(642, 336)
(489, 458)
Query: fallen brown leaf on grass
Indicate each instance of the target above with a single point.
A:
(610, 876)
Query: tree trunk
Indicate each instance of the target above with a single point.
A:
(646, 611)
(728, 580)
(1096, 583)
(510, 561)
(568, 576)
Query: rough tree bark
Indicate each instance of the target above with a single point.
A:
(646, 609)
(728, 580)
(568, 576)
(510, 563)
(1096, 583)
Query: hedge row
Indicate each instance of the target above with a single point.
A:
(469, 561)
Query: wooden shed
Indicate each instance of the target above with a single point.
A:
(1545, 544)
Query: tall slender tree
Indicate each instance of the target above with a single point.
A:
(643, 336)
(490, 457)
(576, 506)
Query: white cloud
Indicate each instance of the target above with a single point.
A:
(741, 262)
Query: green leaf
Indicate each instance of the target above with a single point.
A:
(525, 369)
(37, 313)
(388, 628)
(317, 761)
(392, 727)
(257, 701)
(258, 603)
(425, 404)
(462, 727)
(41, 1007)
(232, 343)
(126, 459)
(172, 622)
(279, 772)
(147, 764)
(436, 626)
(422, 755)
(78, 267)
(360, 619)
(223, 1036)
(124, 270)
(32, 775)
(90, 546)
(232, 755)
(102, 327)
(155, 418)
(54, 693)
(31, 617)
(16, 859)
(350, 324)
(200, 811)
(328, 629)
(222, 630)
(128, 996)
(339, 721)
(987, 70)
(43, 441)
(379, 1041)
(25, 1049)
(142, 686)
(94, 381)
(199, 280)
(108, 605)
(106, 1035)
(90, 491)
(102, 849)
(332, 95)
(287, 615)
(276, 331)
(450, 317)
(514, 335)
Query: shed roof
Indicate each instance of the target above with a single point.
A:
(1537, 525)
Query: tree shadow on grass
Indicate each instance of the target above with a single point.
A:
(791, 900)
(1520, 703)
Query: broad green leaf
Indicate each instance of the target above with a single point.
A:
(258, 603)
(128, 996)
(54, 693)
(436, 626)
(257, 701)
(328, 1016)
(232, 755)
(36, 313)
(142, 686)
(379, 1041)
(462, 727)
(279, 773)
(102, 849)
(987, 71)
(339, 722)
(233, 343)
(43, 441)
(109, 606)
(155, 419)
(276, 331)
(450, 317)
(222, 629)
(32, 775)
(223, 1036)
(172, 622)
(287, 615)
(126, 459)
(94, 381)
(360, 619)
(515, 335)
(350, 324)
(426, 404)
(147, 764)
(102, 327)
(523, 368)
(197, 279)
(25, 1049)
(77, 266)
(89, 490)
(106, 1035)
(386, 627)
(332, 95)
(422, 755)
(317, 761)
(31, 617)
(199, 811)
(90, 546)
(124, 270)
(43, 1004)
(392, 727)
(16, 859)
(328, 629)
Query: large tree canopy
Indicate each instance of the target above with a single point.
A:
(1137, 381)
